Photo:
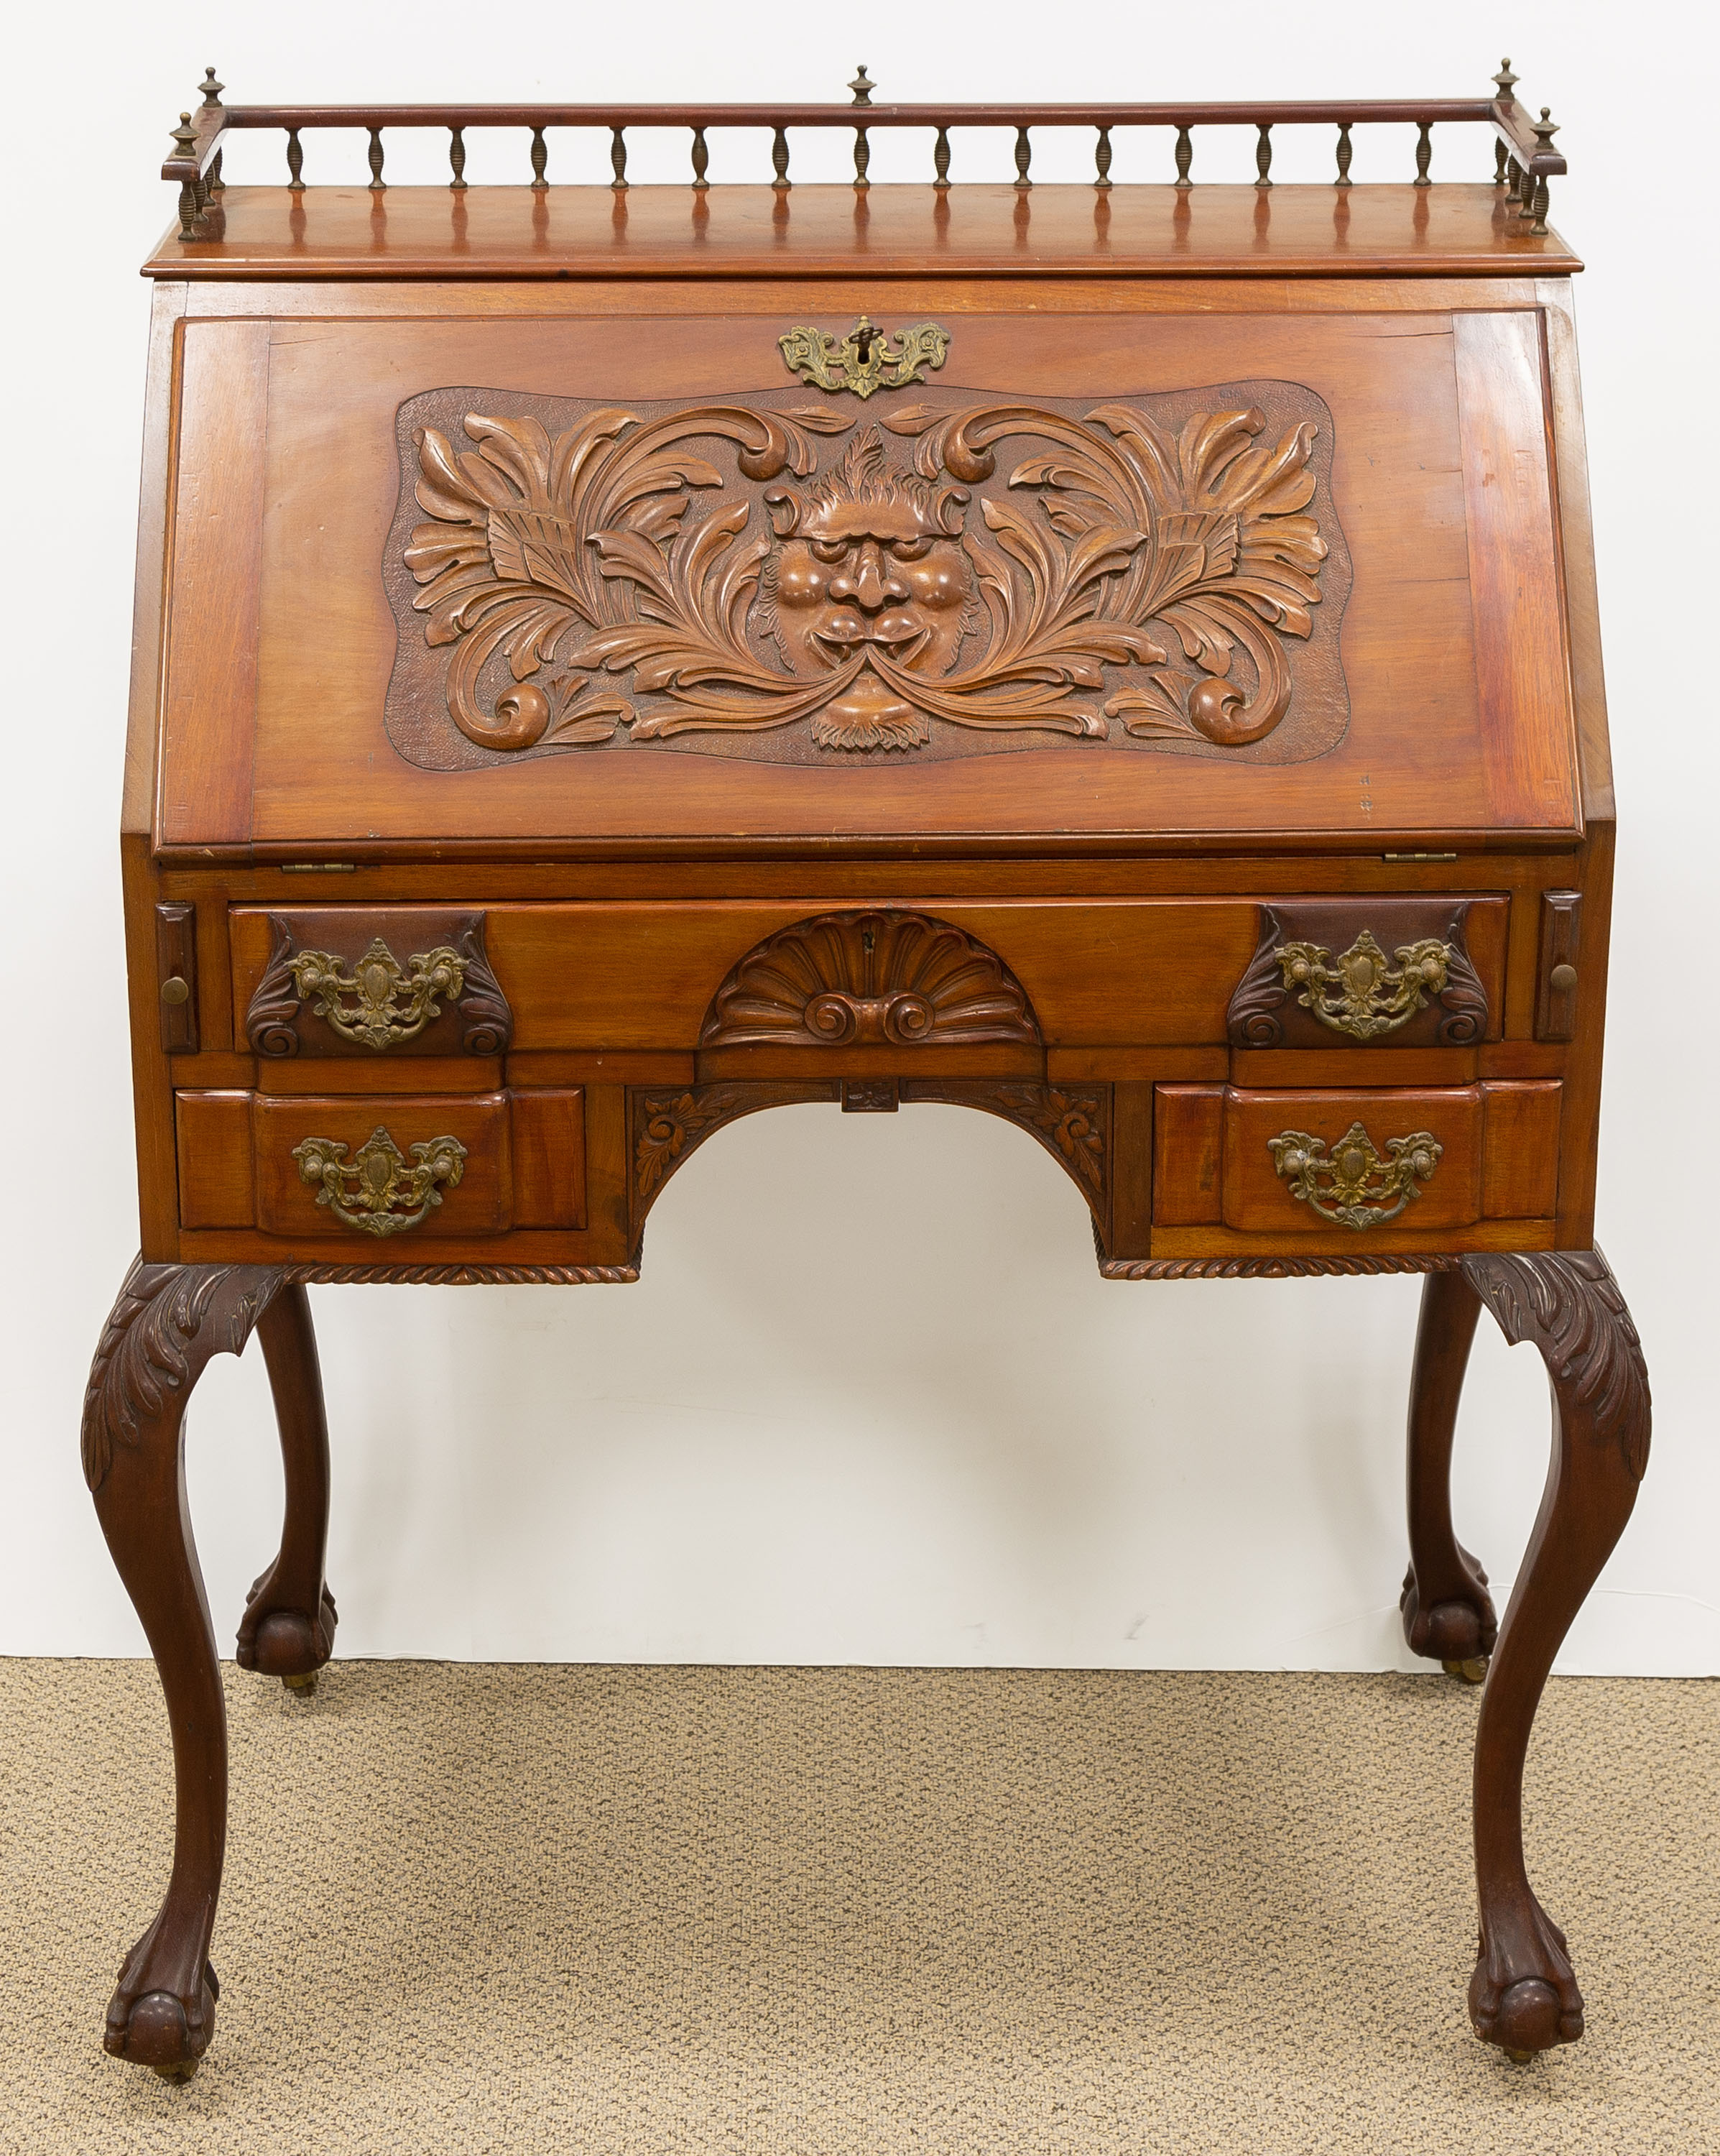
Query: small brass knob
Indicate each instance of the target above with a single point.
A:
(174, 990)
(1564, 979)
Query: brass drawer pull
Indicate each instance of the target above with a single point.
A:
(1354, 1183)
(1358, 993)
(390, 1004)
(376, 1192)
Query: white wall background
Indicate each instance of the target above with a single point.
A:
(871, 1402)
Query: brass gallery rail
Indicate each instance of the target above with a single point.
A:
(1524, 159)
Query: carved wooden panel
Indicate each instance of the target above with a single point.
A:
(358, 981)
(798, 582)
(1343, 972)
(874, 978)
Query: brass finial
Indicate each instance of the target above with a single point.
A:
(862, 86)
(211, 89)
(1545, 130)
(185, 135)
(1506, 82)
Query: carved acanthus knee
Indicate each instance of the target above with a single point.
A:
(168, 1323)
(1524, 1995)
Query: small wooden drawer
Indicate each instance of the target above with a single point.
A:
(366, 981)
(365, 1171)
(1282, 1162)
(1373, 971)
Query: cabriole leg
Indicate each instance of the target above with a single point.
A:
(168, 1321)
(1524, 1995)
(288, 1629)
(1448, 1614)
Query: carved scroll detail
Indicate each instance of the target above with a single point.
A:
(1568, 1304)
(580, 592)
(845, 979)
(143, 1352)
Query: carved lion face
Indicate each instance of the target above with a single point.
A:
(872, 563)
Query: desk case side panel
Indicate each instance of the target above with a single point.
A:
(214, 559)
(152, 1084)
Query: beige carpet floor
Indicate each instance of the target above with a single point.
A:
(807, 1912)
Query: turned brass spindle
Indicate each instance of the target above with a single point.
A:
(940, 158)
(185, 143)
(1185, 155)
(1102, 158)
(1344, 152)
(1500, 154)
(1024, 155)
(618, 159)
(1423, 152)
(295, 162)
(376, 158)
(1515, 177)
(701, 160)
(862, 86)
(540, 159)
(457, 159)
(1263, 156)
(216, 185)
(779, 157)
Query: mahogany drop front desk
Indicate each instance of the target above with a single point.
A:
(1122, 658)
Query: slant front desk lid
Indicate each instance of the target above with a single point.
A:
(1063, 557)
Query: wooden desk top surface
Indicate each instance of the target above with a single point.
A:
(1053, 231)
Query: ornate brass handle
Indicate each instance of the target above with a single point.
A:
(389, 1004)
(376, 1192)
(1354, 1183)
(1358, 993)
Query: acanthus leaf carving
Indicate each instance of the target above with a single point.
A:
(873, 976)
(1568, 1304)
(1130, 579)
(147, 1347)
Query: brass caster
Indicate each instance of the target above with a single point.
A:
(184, 2071)
(1473, 1671)
(305, 1686)
(1521, 2058)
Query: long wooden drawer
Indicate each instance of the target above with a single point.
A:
(1410, 1159)
(633, 976)
(395, 1168)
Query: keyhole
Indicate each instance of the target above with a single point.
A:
(867, 940)
(863, 335)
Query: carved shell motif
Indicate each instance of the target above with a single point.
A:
(871, 977)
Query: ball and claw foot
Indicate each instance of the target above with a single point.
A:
(284, 1643)
(1458, 1634)
(1526, 2014)
(160, 2029)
